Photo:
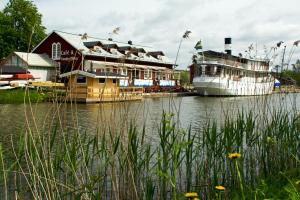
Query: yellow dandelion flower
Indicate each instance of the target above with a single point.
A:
(234, 155)
(191, 195)
(220, 187)
(196, 198)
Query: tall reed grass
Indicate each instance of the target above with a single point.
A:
(120, 163)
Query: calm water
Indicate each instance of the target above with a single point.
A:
(195, 111)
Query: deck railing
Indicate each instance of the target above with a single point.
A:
(109, 94)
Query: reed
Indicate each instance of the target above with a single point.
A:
(121, 163)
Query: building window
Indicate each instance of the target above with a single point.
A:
(158, 75)
(81, 80)
(123, 71)
(56, 50)
(148, 74)
(136, 74)
(101, 80)
(109, 69)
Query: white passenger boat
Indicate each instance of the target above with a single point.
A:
(222, 74)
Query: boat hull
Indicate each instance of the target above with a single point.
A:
(215, 86)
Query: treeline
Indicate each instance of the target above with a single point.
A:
(20, 27)
(294, 73)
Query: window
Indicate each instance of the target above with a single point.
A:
(114, 81)
(148, 74)
(158, 75)
(56, 50)
(109, 69)
(136, 74)
(123, 71)
(81, 80)
(218, 72)
(101, 80)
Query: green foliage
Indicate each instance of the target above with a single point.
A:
(184, 77)
(58, 164)
(17, 96)
(292, 74)
(20, 27)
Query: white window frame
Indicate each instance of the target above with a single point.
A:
(123, 71)
(56, 51)
(147, 74)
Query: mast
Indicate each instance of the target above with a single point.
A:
(282, 62)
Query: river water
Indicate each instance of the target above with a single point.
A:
(91, 118)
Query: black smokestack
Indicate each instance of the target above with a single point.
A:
(228, 46)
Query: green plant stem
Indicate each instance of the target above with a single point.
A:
(240, 178)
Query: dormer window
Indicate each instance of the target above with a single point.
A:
(141, 55)
(97, 49)
(114, 51)
(56, 51)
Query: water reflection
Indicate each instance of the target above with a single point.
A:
(93, 118)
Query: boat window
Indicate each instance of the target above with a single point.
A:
(218, 72)
(81, 79)
(198, 71)
(101, 80)
(209, 70)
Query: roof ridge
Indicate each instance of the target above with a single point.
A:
(93, 37)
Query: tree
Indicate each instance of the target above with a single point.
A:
(298, 65)
(20, 27)
(184, 78)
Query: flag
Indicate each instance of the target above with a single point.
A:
(186, 34)
(198, 45)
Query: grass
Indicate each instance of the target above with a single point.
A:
(20, 95)
(121, 164)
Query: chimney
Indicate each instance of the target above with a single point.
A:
(228, 46)
(130, 42)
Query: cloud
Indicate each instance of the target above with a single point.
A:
(161, 23)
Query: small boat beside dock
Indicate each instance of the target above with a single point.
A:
(93, 87)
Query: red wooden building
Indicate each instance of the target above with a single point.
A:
(144, 66)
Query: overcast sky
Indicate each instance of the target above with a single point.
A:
(161, 23)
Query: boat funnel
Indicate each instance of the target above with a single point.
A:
(228, 46)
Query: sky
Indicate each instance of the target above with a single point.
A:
(161, 23)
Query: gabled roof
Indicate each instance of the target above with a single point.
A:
(83, 44)
(110, 75)
(7, 69)
(33, 59)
